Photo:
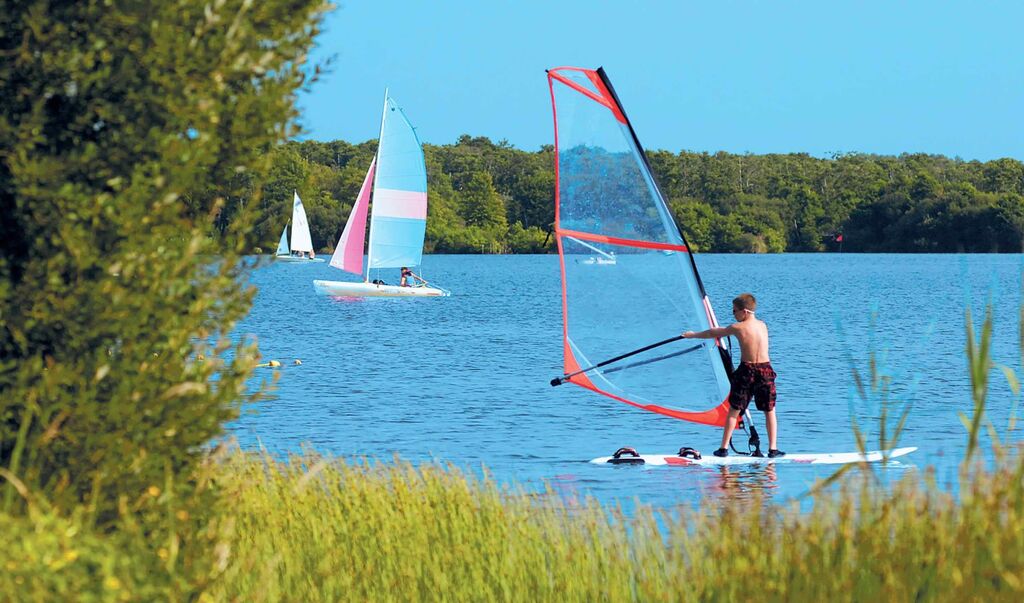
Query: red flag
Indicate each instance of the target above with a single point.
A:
(839, 239)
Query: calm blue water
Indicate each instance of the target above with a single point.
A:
(465, 379)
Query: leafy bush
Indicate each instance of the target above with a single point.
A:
(128, 129)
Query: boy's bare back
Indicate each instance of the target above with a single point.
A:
(752, 335)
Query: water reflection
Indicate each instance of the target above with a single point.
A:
(742, 483)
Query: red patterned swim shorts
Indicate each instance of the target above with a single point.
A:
(753, 380)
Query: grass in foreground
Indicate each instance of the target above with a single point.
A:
(322, 530)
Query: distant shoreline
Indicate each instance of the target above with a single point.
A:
(492, 197)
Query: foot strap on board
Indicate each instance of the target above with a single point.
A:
(626, 456)
(689, 453)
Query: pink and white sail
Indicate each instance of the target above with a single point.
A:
(348, 255)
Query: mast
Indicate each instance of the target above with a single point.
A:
(380, 138)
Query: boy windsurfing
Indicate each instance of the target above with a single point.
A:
(754, 377)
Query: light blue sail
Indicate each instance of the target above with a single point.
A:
(282, 246)
(399, 212)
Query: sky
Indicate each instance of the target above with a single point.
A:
(817, 77)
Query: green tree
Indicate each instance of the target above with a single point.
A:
(527, 240)
(806, 234)
(696, 219)
(123, 131)
(481, 205)
(1003, 176)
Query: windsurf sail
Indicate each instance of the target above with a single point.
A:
(282, 245)
(301, 241)
(607, 202)
(398, 220)
(348, 255)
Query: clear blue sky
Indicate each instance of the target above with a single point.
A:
(760, 77)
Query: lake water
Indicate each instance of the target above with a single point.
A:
(465, 379)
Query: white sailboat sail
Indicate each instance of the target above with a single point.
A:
(301, 240)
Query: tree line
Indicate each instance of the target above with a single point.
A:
(489, 197)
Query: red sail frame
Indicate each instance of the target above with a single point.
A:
(715, 416)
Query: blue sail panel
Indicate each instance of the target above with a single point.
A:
(397, 242)
(399, 210)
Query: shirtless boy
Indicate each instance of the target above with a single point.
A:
(754, 376)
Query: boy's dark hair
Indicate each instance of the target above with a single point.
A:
(745, 301)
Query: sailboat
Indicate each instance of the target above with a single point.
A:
(608, 206)
(397, 179)
(301, 242)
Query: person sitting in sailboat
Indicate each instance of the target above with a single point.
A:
(407, 276)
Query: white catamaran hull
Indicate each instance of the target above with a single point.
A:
(294, 259)
(348, 289)
(826, 458)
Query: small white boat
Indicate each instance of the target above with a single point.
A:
(600, 261)
(302, 242)
(397, 179)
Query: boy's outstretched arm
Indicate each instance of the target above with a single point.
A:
(715, 333)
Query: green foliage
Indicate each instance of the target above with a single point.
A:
(166, 544)
(697, 221)
(479, 190)
(527, 240)
(480, 203)
(128, 131)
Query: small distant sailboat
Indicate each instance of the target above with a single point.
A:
(302, 242)
(603, 258)
(397, 178)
